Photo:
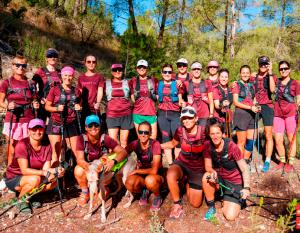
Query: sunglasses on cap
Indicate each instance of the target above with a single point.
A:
(117, 70)
(93, 124)
(284, 68)
(188, 111)
(213, 67)
(35, 128)
(196, 69)
(18, 65)
(142, 67)
(91, 62)
(167, 72)
(144, 132)
(181, 65)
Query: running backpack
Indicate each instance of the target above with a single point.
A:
(30, 87)
(150, 84)
(193, 149)
(109, 89)
(244, 91)
(286, 92)
(225, 96)
(63, 97)
(139, 151)
(201, 86)
(49, 82)
(173, 94)
(266, 85)
(104, 150)
(223, 161)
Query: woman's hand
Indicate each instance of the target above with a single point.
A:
(11, 105)
(60, 108)
(97, 106)
(254, 109)
(77, 107)
(245, 193)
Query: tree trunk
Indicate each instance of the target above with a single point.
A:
(84, 6)
(180, 26)
(226, 29)
(233, 29)
(55, 4)
(132, 17)
(283, 15)
(163, 23)
(76, 8)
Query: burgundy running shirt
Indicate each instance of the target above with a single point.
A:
(167, 104)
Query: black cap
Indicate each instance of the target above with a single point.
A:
(263, 60)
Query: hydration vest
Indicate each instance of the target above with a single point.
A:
(109, 89)
(223, 161)
(201, 86)
(150, 85)
(50, 83)
(173, 94)
(266, 85)
(63, 97)
(243, 93)
(139, 151)
(225, 96)
(194, 148)
(19, 90)
(187, 77)
(286, 92)
(104, 150)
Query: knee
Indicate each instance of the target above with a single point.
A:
(34, 181)
(230, 216)
(130, 182)
(172, 176)
(151, 181)
(79, 172)
(195, 203)
(269, 136)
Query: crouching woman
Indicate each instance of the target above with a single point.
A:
(227, 171)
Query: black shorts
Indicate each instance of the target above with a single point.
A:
(243, 119)
(267, 115)
(12, 183)
(168, 122)
(194, 178)
(230, 196)
(124, 122)
(70, 129)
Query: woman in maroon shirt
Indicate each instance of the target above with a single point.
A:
(21, 97)
(213, 75)
(62, 102)
(31, 163)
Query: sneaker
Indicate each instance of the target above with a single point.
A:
(266, 167)
(24, 208)
(35, 204)
(279, 166)
(288, 168)
(210, 213)
(156, 203)
(176, 211)
(83, 199)
(144, 197)
(2, 185)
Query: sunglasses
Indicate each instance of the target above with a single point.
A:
(18, 65)
(91, 125)
(181, 65)
(142, 67)
(213, 67)
(264, 65)
(91, 62)
(188, 111)
(144, 132)
(117, 70)
(35, 128)
(284, 68)
(196, 69)
(167, 72)
(52, 56)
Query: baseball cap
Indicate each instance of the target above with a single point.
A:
(115, 66)
(142, 63)
(213, 63)
(51, 53)
(92, 119)
(196, 65)
(188, 111)
(36, 122)
(263, 60)
(182, 60)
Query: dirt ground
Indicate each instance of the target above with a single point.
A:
(49, 218)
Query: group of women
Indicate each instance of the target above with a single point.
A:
(191, 118)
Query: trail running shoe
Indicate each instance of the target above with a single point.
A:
(176, 211)
(288, 168)
(266, 167)
(156, 203)
(144, 197)
(210, 213)
(24, 208)
(280, 166)
(83, 199)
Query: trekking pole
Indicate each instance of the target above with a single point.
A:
(59, 192)
(10, 129)
(78, 116)
(254, 137)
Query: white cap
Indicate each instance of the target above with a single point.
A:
(188, 111)
(182, 60)
(196, 65)
(142, 63)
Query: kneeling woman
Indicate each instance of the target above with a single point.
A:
(146, 178)
(226, 166)
(190, 162)
(31, 163)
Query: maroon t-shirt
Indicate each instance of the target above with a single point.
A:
(198, 100)
(89, 88)
(248, 100)
(261, 94)
(193, 164)
(214, 83)
(167, 104)
(118, 106)
(143, 157)
(95, 150)
(234, 154)
(217, 95)
(19, 98)
(282, 107)
(182, 79)
(144, 105)
(54, 97)
(24, 150)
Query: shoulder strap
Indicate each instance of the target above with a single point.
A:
(108, 89)
(62, 96)
(86, 150)
(191, 87)
(226, 145)
(150, 154)
(202, 86)
(48, 75)
(104, 150)
(150, 84)
(160, 90)
(137, 88)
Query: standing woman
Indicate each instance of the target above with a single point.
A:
(91, 86)
(119, 118)
(169, 107)
(62, 102)
(245, 110)
(213, 75)
(144, 98)
(287, 102)
(21, 99)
